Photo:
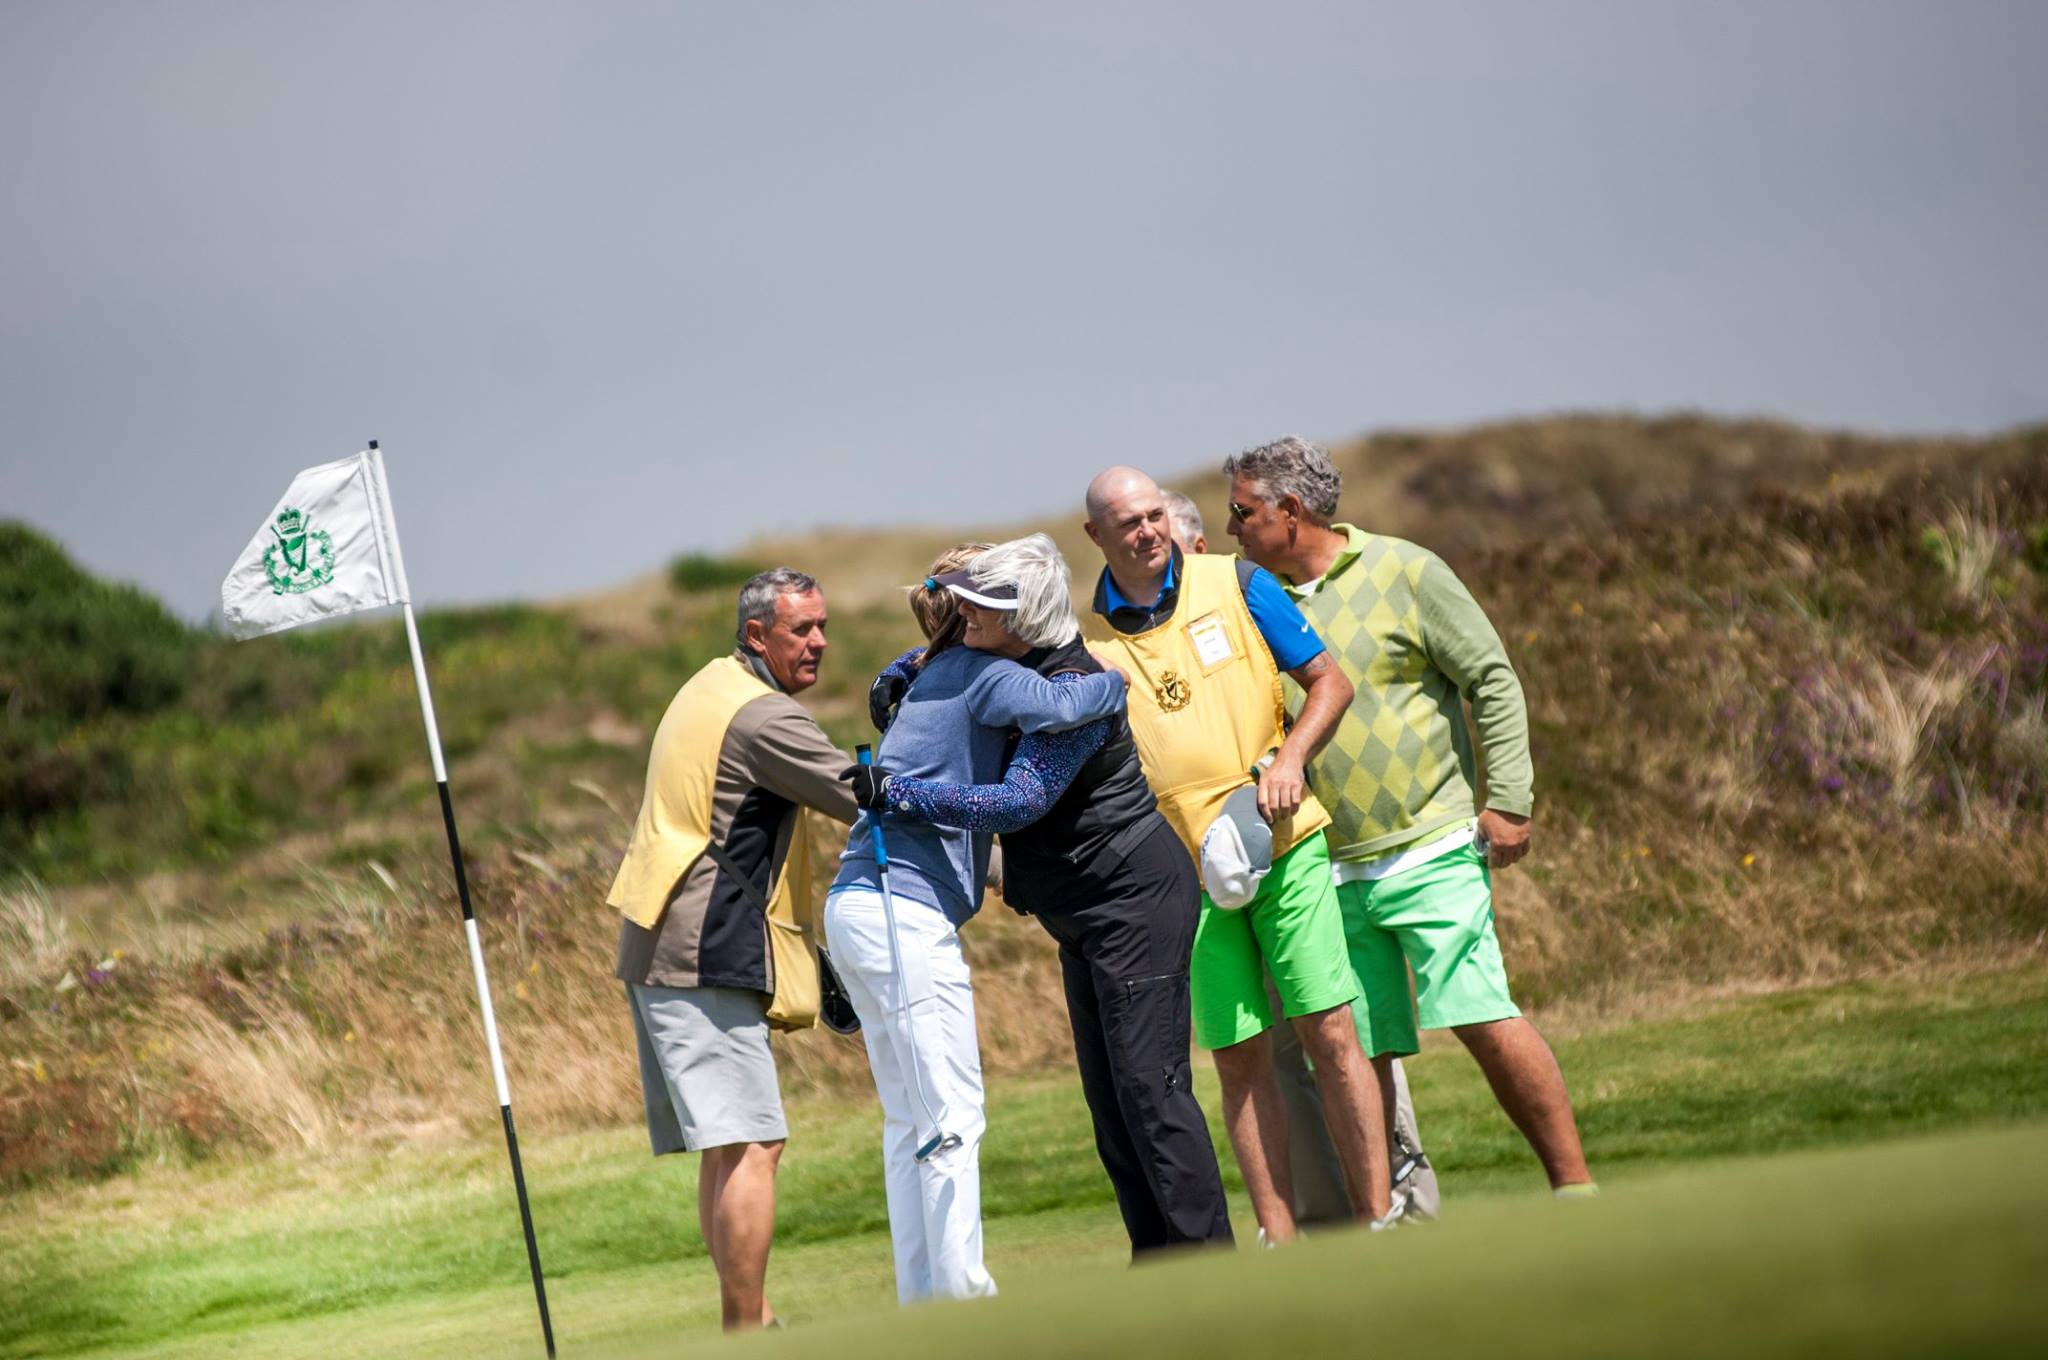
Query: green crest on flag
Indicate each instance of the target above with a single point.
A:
(302, 559)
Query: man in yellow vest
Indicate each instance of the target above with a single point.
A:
(1415, 850)
(1205, 640)
(715, 897)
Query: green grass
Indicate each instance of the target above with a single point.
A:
(1844, 1253)
(415, 1250)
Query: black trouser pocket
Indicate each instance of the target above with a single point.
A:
(1150, 1034)
(1146, 1035)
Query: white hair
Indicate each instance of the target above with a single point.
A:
(1044, 616)
(1186, 516)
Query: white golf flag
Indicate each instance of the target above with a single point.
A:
(328, 549)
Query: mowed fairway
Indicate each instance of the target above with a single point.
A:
(1925, 1238)
(1934, 1247)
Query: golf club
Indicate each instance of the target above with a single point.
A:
(940, 1139)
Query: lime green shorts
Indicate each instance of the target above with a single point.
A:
(1294, 929)
(1437, 919)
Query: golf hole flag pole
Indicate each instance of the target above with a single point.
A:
(331, 548)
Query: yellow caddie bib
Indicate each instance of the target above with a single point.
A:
(674, 828)
(1205, 702)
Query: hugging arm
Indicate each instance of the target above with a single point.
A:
(1008, 695)
(1042, 770)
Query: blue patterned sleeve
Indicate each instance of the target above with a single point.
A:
(1045, 764)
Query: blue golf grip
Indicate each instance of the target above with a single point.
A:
(866, 756)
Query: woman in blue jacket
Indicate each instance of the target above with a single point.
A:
(952, 725)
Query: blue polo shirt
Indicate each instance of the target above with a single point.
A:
(1288, 635)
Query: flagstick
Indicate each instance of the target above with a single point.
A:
(476, 960)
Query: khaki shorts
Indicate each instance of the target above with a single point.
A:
(705, 1068)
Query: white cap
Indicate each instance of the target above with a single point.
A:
(1237, 850)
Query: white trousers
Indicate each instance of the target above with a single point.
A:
(926, 1015)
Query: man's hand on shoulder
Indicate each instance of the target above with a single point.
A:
(1506, 837)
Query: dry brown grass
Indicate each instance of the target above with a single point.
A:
(34, 934)
(1884, 713)
(265, 1067)
(1967, 542)
(362, 1022)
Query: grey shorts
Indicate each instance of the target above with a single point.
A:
(705, 1067)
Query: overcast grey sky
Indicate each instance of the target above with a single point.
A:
(613, 281)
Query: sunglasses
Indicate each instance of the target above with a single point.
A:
(1241, 512)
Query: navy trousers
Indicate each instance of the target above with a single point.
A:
(1124, 948)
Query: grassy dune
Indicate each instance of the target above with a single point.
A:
(1789, 705)
(413, 1248)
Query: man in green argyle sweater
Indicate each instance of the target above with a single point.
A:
(1412, 850)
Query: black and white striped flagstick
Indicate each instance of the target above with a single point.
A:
(476, 950)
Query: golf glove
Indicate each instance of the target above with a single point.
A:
(870, 783)
(887, 691)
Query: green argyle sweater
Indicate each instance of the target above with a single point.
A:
(1418, 647)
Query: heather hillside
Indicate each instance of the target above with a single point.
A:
(1789, 699)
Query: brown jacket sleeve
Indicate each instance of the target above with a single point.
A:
(791, 755)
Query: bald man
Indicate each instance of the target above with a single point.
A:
(1205, 640)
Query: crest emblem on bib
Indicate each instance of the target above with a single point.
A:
(1172, 692)
(301, 559)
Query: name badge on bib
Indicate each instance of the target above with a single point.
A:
(1211, 641)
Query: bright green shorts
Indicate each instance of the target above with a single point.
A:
(1437, 919)
(1294, 929)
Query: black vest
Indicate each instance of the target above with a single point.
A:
(1045, 860)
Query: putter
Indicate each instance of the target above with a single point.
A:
(940, 1140)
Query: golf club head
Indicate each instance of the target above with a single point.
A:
(939, 1142)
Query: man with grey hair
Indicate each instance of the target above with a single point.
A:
(1413, 848)
(1186, 518)
(717, 868)
(1318, 1176)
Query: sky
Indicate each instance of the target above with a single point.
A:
(612, 282)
